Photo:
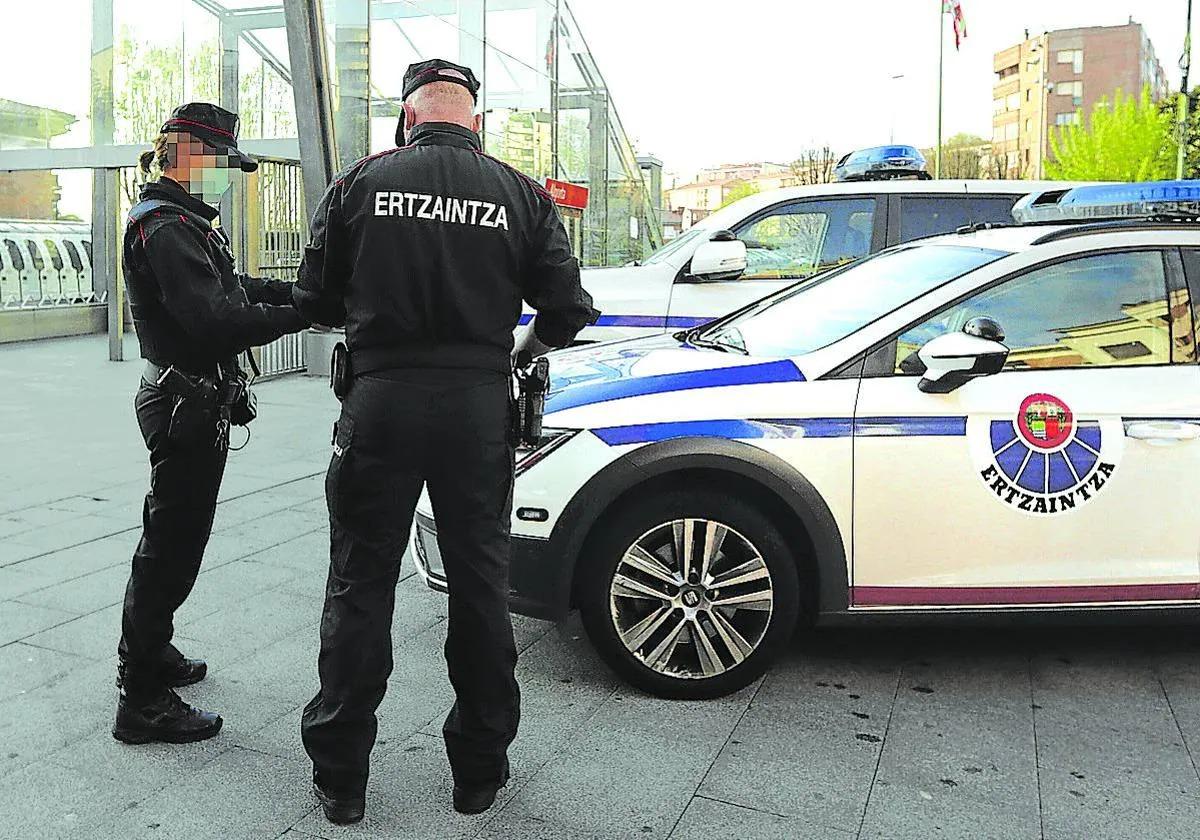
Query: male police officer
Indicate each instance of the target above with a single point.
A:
(425, 253)
(193, 314)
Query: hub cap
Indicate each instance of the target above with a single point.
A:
(691, 598)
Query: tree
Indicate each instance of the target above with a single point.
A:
(814, 166)
(1169, 107)
(1129, 139)
(738, 190)
(962, 156)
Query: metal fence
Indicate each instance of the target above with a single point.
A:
(275, 220)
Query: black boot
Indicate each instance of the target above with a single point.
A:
(339, 808)
(475, 798)
(161, 716)
(173, 669)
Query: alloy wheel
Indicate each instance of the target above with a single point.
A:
(691, 598)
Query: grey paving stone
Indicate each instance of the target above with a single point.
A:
(13, 551)
(89, 557)
(19, 621)
(810, 741)
(94, 635)
(1113, 762)
(636, 763)
(706, 818)
(84, 594)
(41, 721)
(240, 793)
(220, 587)
(959, 760)
(24, 668)
(242, 628)
(79, 529)
(309, 553)
(48, 801)
(15, 582)
(285, 670)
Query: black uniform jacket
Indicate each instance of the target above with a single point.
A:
(424, 253)
(190, 306)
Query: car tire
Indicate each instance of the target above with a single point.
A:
(654, 641)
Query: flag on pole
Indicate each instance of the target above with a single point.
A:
(954, 7)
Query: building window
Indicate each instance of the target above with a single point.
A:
(998, 106)
(1011, 131)
(1029, 94)
(1014, 101)
(1072, 57)
(1067, 119)
(1007, 71)
(1071, 89)
(1028, 126)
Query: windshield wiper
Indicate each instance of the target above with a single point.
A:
(717, 344)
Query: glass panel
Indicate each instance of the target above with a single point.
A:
(920, 216)
(803, 239)
(1103, 310)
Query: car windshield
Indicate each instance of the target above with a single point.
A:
(827, 308)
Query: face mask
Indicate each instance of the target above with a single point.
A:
(212, 185)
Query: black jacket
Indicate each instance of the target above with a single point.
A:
(424, 253)
(190, 307)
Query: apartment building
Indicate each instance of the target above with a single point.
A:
(1049, 79)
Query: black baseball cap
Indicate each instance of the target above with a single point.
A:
(215, 126)
(439, 70)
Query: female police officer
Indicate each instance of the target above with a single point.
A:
(193, 315)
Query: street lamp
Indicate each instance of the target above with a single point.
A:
(892, 125)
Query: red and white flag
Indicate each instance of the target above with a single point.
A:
(954, 7)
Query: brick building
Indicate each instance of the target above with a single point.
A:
(1049, 79)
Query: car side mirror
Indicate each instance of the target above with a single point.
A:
(954, 359)
(722, 257)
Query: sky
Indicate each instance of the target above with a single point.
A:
(699, 82)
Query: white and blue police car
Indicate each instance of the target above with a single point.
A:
(1003, 419)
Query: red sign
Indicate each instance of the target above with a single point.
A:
(567, 195)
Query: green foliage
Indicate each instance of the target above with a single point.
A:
(1129, 139)
(1170, 107)
(739, 189)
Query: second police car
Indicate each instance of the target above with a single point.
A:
(1004, 419)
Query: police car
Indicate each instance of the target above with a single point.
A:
(767, 241)
(1006, 419)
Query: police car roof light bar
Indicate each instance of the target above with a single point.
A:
(1177, 201)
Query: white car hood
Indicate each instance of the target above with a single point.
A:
(621, 370)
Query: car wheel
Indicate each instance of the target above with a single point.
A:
(689, 593)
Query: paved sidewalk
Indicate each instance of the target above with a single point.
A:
(874, 734)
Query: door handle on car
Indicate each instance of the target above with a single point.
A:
(1162, 432)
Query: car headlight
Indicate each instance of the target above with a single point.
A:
(550, 440)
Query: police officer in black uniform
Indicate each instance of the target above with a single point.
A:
(425, 253)
(193, 313)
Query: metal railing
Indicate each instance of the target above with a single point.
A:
(278, 239)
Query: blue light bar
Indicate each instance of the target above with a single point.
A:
(1178, 200)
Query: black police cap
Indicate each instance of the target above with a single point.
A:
(439, 70)
(215, 126)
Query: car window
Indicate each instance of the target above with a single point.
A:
(73, 255)
(811, 315)
(675, 245)
(1099, 310)
(798, 240)
(35, 255)
(87, 249)
(932, 215)
(14, 254)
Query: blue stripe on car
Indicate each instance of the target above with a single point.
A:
(637, 320)
(588, 393)
(808, 427)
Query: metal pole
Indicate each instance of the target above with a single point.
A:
(310, 87)
(937, 156)
(1185, 63)
(105, 275)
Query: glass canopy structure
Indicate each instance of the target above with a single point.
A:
(317, 84)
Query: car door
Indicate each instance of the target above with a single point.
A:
(1069, 477)
(784, 243)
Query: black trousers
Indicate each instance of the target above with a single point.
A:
(447, 430)
(177, 519)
